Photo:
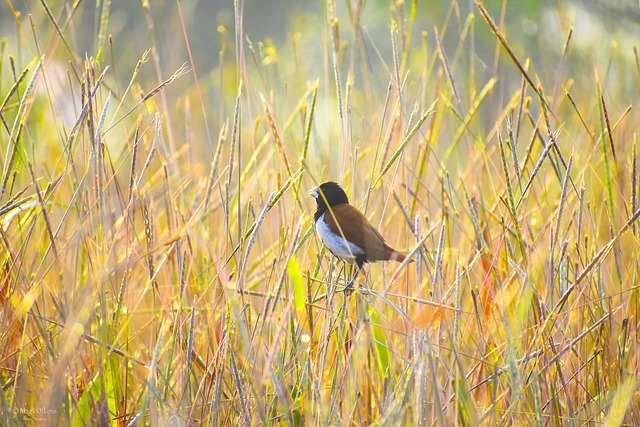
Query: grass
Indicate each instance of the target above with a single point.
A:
(159, 263)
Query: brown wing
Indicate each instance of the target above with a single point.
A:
(357, 229)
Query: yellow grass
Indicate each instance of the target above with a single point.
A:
(158, 262)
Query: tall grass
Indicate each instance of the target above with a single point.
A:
(159, 263)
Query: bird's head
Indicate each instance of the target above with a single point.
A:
(327, 195)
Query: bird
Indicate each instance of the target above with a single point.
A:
(346, 232)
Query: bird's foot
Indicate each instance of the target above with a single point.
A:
(349, 288)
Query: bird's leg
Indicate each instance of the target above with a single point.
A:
(348, 290)
(346, 270)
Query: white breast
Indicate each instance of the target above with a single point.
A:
(335, 243)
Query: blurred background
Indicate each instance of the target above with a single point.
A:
(279, 30)
(290, 41)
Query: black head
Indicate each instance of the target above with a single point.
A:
(327, 194)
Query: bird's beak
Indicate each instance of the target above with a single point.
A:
(314, 192)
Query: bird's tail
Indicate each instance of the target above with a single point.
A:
(393, 255)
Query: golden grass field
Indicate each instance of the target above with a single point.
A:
(158, 262)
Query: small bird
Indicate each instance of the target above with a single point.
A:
(346, 232)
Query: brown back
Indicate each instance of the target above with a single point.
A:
(357, 229)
